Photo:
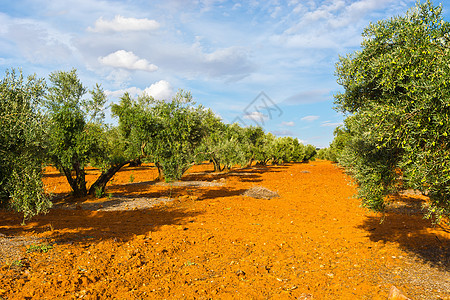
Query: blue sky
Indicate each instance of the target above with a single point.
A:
(259, 62)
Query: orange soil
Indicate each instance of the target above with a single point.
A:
(314, 242)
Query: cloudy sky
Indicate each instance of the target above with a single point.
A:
(267, 63)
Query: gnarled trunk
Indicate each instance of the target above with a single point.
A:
(78, 184)
(98, 187)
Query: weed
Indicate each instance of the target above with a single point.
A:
(189, 263)
(16, 263)
(99, 192)
(131, 177)
(42, 248)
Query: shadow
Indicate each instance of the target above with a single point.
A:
(414, 234)
(132, 184)
(90, 219)
(248, 174)
(138, 168)
(221, 193)
(54, 175)
(81, 226)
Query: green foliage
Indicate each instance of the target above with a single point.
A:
(22, 144)
(254, 138)
(73, 139)
(342, 137)
(287, 149)
(77, 135)
(137, 125)
(166, 132)
(234, 148)
(179, 131)
(310, 153)
(397, 92)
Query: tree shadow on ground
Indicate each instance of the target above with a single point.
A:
(248, 174)
(416, 235)
(74, 226)
(221, 193)
(89, 219)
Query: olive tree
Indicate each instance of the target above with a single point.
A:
(180, 130)
(78, 136)
(254, 140)
(397, 95)
(22, 144)
(165, 132)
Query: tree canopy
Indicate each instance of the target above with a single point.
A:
(22, 144)
(397, 95)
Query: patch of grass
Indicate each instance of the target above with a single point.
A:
(189, 263)
(42, 248)
(99, 192)
(16, 263)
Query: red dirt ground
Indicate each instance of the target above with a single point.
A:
(211, 242)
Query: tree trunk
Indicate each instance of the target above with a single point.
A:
(136, 163)
(80, 180)
(216, 164)
(249, 164)
(100, 184)
(78, 184)
(160, 172)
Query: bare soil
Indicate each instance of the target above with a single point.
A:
(203, 238)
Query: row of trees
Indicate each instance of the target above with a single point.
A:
(397, 98)
(61, 123)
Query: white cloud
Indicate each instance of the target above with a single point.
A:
(237, 6)
(256, 116)
(121, 24)
(290, 124)
(161, 90)
(331, 124)
(35, 41)
(127, 60)
(331, 25)
(133, 91)
(231, 62)
(310, 118)
(275, 12)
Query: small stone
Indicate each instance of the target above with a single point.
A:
(396, 294)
